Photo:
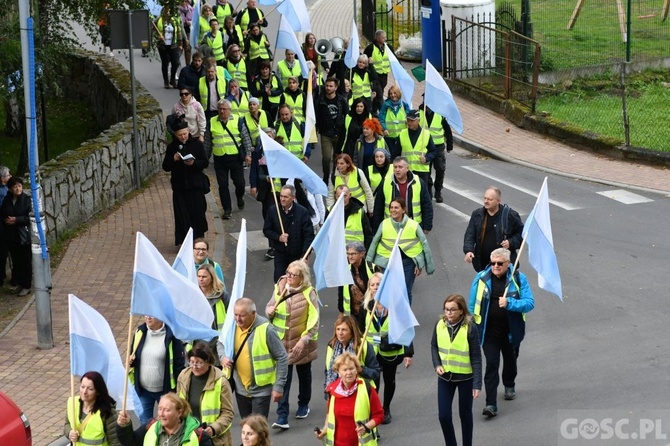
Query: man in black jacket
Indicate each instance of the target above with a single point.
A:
(492, 226)
(292, 235)
(330, 110)
(189, 76)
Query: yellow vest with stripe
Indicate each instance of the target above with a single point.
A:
(375, 179)
(282, 314)
(353, 228)
(204, 90)
(222, 11)
(94, 431)
(258, 50)
(361, 414)
(346, 294)
(413, 152)
(151, 437)
(287, 72)
(409, 243)
(395, 122)
(244, 21)
(219, 313)
(296, 106)
(382, 332)
(242, 108)
(262, 362)
(274, 84)
(256, 127)
(204, 26)
(210, 402)
(222, 143)
(238, 72)
(360, 86)
(381, 62)
(354, 185)
(292, 142)
(170, 352)
(454, 355)
(414, 188)
(435, 128)
(216, 44)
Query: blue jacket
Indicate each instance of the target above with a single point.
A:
(519, 301)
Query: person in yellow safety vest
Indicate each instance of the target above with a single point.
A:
(250, 15)
(214, 40)
(223, 9)
(413, 244)
(347, 174)
(294, 97)
(257, 46)
(370, 140)
(401, 183)
(416, 144)
(238, 98)
(289, 67)
(267, 87)
(256, 120)
(377, 172)
(232, 33)
(175, 418)
(211, 89)
(443, 138)
(389, 355)
(294, 311)
(259, 362)
(363, 81)
(457, 361)
(356, 223)
(209, 393)
(217, 297)
(292, 133)
(379, 58)
(154, 373)
(206, 15)
(392, 117)
(91, 417)
(499, 299)
(348, 338)
(237, 66)
(350, 297)
(354, 410)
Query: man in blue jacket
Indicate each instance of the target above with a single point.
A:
(498, 301)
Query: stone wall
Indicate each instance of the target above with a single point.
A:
(92, 178)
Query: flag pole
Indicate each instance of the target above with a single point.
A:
(306, 137)
(367, 329)
(309, 250)
(274, 195)
(74, 415)
(125, 381)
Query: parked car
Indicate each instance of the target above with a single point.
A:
(14, 424)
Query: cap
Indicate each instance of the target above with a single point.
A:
(413, 115)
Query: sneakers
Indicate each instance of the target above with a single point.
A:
(302, 412)
(281, 423)
(24, 292)
(438, 198)
(510, 394)
(227, 215)
(270, 254)
(240, 203)
(387, 417)
(490, 411)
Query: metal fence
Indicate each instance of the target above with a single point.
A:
(399, 18)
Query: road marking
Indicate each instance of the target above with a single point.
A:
(462, 190)
(256, 241)
(624, 196)
(454, 211)
(560, 204)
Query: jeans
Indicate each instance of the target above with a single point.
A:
(224, 166)
(148, 400)
(248, 405)
(493, 347)
(445, 396)
(408, 266)
(304, 388)
(327, 145)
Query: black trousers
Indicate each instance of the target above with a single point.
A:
(22, 266)
(224, 166)
(389, 366)
(439, 163)
(493, 348)
(169, 56)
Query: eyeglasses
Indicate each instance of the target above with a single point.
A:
(498, 263)
(197, 365)
(451, 310)
(290, 274)
(200, 249)
(184, 93)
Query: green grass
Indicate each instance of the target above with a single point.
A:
(69, 124)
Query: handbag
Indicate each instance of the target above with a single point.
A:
(206, 185)
(24, 235)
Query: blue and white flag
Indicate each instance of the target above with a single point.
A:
(154, 8)
(93, 348)
(538, 237)
(392, 293)
(227, 337)
(184, 263)
(402, 77)
(163, 293)
(354, 48)
(296, 13)
(194, 37)
(331, 267)
(283, 164)
(268, 2)
(439, 98)
(286, 39)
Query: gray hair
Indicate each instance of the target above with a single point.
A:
(249, 304)
(4, 171)
(356, 246)
(362, 58)
(501, 252)
(270, 130)
(290, 188)
(224, 102)
(496, 190)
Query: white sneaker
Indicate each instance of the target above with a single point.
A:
(111, 54)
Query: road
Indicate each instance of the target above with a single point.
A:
(599, 349)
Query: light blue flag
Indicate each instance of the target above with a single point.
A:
(154, 7)
(354, 48)
(268, 2)
(392, 293)
(227, 337)
(541, 255)
(286, 39)
(296, 13)
(194, 38)
(184, 262)
(93, 348)
(331, 267)
(283, 164)
(163, 293)
(439, 98)
(402, 77)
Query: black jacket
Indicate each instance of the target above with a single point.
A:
(186, 177)
(189, 78)
(298, 226)
(382, 202)
(19, 233)
(510, 229)
(325, 124)
(177, 358)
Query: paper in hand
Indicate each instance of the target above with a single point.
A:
(187, 157)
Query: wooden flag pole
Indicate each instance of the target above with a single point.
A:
(365, 335)
(274, 195)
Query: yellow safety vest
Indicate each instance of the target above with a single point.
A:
(219, 314)
(282, 314)
(292, 142)
(258, 50)
(204, 26)
(216, 44)
(353, 228)
(483, 291)
(361, 414)
(454, 355)
(136, 343)
(151, 437)
(330, 351)
(409, 243)
(238, 71)
(254, 127)
(375, 179)
(261, 360)
(94, 431)
(346, 294)
(274, 84)
(210, 403)
(296, 106)
(204, 90)
(243, 107)
(382, 332)
(287, 72)
(244, 21)
(222, 11)
(381, 62)
(414, 189)
(354, 185)
(360, 86)
(222, 143)
(413, 152)
(395, 122)
(435, 128)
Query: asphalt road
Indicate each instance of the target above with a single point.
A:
(599, 352)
